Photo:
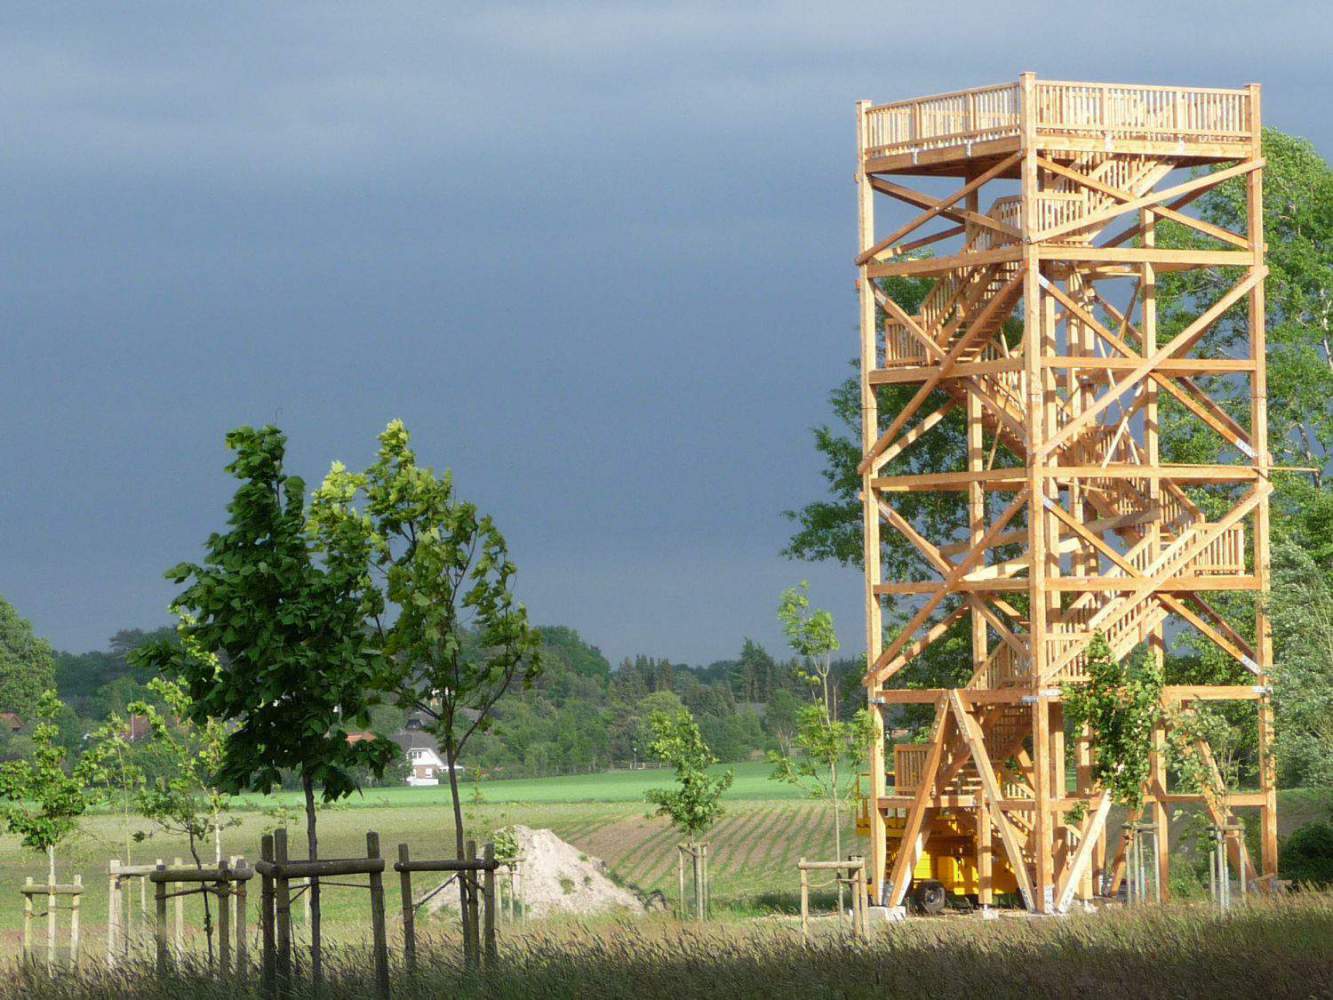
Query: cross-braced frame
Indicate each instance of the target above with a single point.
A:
(1038, 349)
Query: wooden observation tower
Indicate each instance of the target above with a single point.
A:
(1038, 354)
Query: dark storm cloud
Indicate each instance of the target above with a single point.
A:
(598, 257)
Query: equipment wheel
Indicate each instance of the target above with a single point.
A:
(930, 897)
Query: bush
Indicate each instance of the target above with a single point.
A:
(1307, 855)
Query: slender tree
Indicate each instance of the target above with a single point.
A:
(812, 635)
(459, 639)
(42, 800)
(285, 606)
(695, 804)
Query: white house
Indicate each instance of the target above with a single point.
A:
(423, 755)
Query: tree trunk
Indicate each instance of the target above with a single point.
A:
(312, 849)
(837, 826)
(464, 882)
(208, 912)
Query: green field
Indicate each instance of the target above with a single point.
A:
(767, 827)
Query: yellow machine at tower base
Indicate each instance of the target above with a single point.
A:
(947, 868)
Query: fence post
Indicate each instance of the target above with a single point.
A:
(377, 919)
(242, 945)
(409, 910)
(178, 940)
(224, 916)
(27, 920)
(805, 902)
(705, 907)
(266, 951)
(112, 912)
(74, 923)
(160, 890)
(471, 927)
(680, 864)
(50, 923)
(282, 912)
(489, 952)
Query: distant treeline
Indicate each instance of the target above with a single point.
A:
(582, 714)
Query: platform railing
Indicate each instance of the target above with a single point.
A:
(1062, 107)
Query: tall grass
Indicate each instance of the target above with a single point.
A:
(1270, 948)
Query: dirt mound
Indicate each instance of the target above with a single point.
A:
(556, 877)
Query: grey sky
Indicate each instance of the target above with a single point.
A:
(597, 257)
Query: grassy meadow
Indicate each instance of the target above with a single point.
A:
(1275, 948)
(767, 826)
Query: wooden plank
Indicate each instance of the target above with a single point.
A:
(990, 788)
(938, 206)
(1092, 832)
(912, 840)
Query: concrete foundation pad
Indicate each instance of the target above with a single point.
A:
(886, 914)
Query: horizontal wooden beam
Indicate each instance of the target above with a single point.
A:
(941, 265)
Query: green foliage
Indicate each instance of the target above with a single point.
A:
(27, 666)
(695, 804)
(1301, 608)
(828, 753)
(297, 665)
(506, 843)
(186, 798)
(1121, 704)
(812, 635)
(1307, 855)
(459, 638)
(42, 802)
(111, 771)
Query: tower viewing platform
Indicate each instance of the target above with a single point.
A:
(949, 134)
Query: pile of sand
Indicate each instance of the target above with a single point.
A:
(556, 877)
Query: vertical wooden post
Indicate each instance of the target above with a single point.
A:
(242, 942)
(1263, 631)
(703, 883)
(283, 913)
(470, 917)
(223, 889)
(112, 912)
(178, 941)
(50, 922)
(680, 866)
(127, 913)
(27, 920)
(232, 862)
(160, 890)
(409, 911)
(1038, 597)
(74, 923)
(870, 517)
(489, 951)
(267, 957)
(805, 902)
(378, 932)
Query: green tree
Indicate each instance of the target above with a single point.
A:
(695, 804)
(460, 639)
(286, 608)
(827, 755)
(27, 665)
(111, 770)
(42, 802)
(1301, 607)
(812, 635)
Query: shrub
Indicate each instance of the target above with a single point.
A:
(1307, 855)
